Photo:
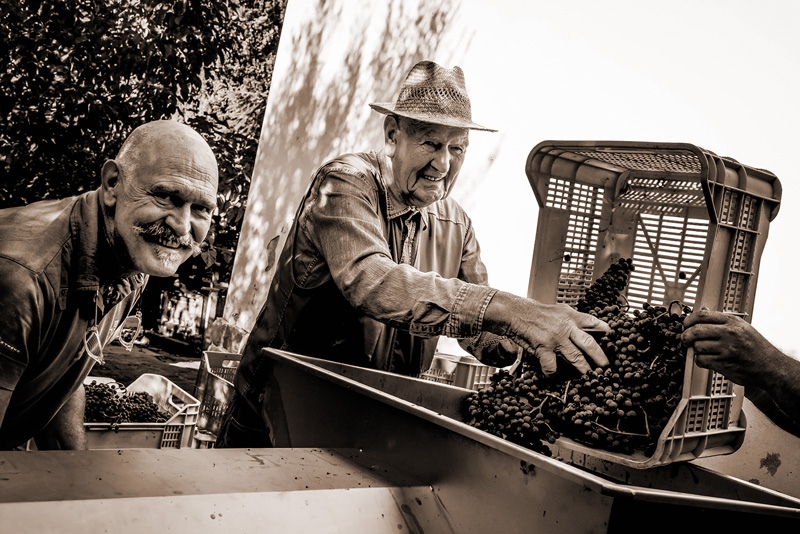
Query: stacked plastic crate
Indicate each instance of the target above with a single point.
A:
(214, 387)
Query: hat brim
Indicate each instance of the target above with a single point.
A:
(387, 108)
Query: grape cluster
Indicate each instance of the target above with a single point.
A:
(606, 290)
(516, 408)
(110, 403)
(621, 408)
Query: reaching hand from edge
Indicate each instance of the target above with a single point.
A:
(729, 345)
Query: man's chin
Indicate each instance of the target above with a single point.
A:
(423, 197)
(163, 261)
(425, 201)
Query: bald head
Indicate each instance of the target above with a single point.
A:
(158, 197)
(154, 142)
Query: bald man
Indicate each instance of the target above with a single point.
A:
(71, 270)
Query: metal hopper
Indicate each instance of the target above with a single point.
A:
(485, 483)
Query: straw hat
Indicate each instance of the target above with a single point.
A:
(433, 94)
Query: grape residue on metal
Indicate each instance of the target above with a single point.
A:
(620, 408)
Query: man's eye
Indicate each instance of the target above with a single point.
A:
(203, 210)
(457, 149)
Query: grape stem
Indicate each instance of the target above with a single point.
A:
(626, 306)
(548, 394)
(541, 405)
(121, 389)
(665, 312)
(551, 428)
(621, 432)
(646, 424)
(566, 388)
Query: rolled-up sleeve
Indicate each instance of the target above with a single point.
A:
(466, 320)
(342, 219)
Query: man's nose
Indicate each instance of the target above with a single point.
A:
(441, 160)
(180, 219)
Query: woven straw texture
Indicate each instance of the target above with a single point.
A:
(433, 94)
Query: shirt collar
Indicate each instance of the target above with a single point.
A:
(394, 210)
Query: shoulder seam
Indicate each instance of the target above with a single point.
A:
(44, 267)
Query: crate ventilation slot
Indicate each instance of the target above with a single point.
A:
(652, 162)
(585, 204)
(741, 212)
(661, 196)
(668, 254)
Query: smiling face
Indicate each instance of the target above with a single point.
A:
(159, 195)
(425, 159)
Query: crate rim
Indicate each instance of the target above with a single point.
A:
(704, 156)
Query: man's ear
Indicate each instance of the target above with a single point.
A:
(390, 131)
(109, 176)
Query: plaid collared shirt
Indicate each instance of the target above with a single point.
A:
(364, 282)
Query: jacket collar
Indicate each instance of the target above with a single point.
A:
(95, 255)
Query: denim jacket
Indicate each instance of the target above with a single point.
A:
(51, 256)
(365, 282)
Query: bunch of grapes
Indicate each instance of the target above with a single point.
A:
(109, 403)
(622, 407)
(606, 290)
(517, 408)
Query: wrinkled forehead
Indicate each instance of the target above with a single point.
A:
(179, 158)
(172, 177)
(165, 142)
(177, 149)
(440, 132)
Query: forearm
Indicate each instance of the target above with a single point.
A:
(782, 384)
(398, 295)
(66, 431)
(424, 303)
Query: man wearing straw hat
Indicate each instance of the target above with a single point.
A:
(380, 262)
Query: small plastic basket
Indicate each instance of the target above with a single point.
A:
(204, 439)
(214, 387)
(695, 225)
(175, 433)
(461, 371)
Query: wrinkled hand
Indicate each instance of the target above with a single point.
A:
(729, 345)
(548, 330)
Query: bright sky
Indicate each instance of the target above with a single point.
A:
(723, 75)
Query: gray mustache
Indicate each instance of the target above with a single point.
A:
(166, 236)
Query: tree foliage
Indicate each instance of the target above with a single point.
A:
(230, 114)
(79, 76)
